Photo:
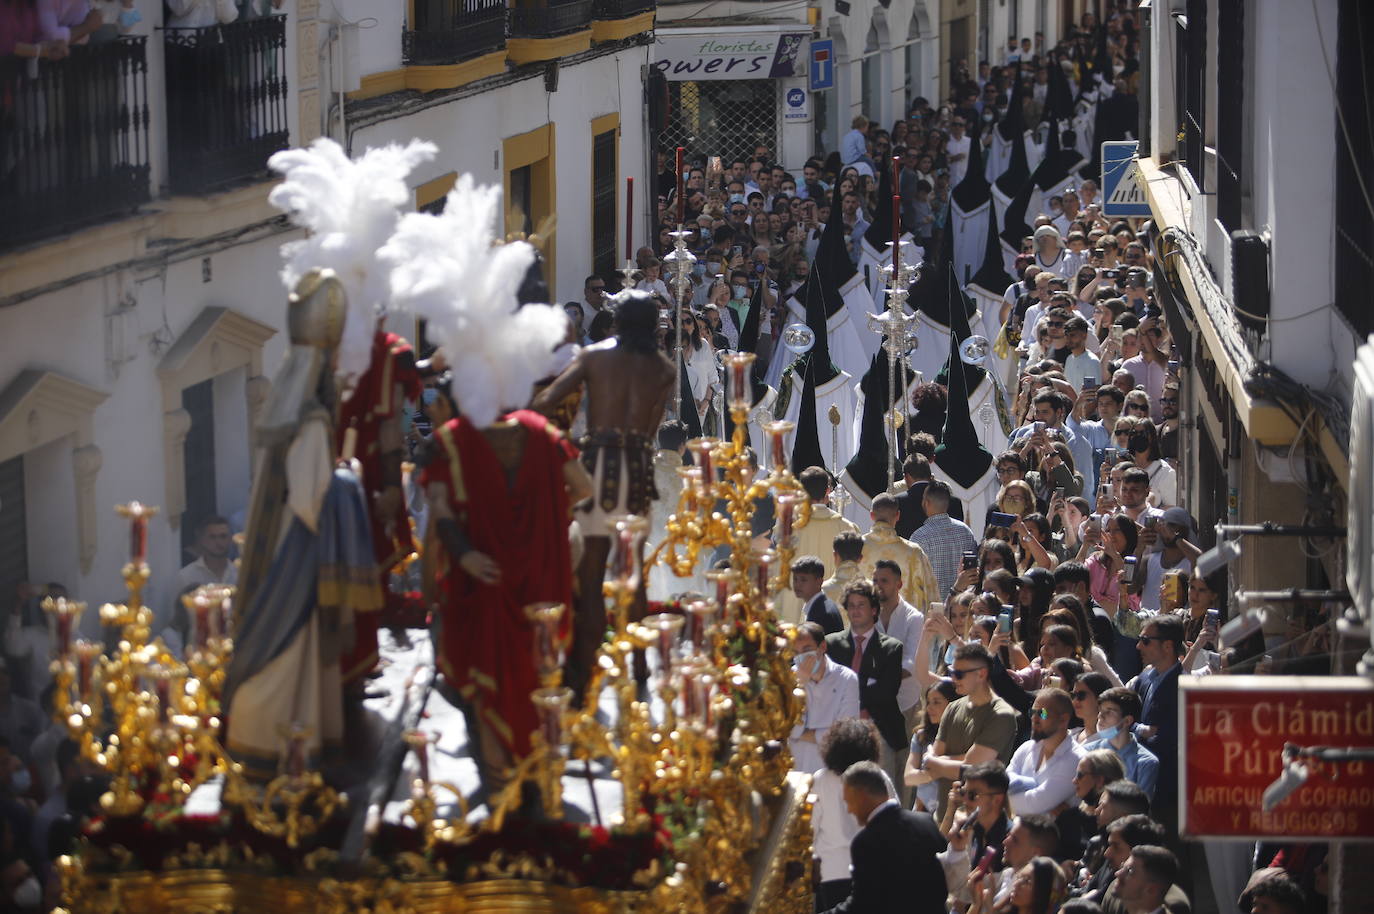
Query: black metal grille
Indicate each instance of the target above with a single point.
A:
(620, 9)
(1231, 113)
(447, 31)
(226, 102)
(603, 203)
(73, 139)
(557, 17)
(727, 118)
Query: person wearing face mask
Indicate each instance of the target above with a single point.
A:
(832, 694)
(1118, 710)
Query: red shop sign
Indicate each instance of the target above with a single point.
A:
(1235, 728)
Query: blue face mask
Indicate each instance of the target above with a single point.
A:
(1109, 733)
(706, 235)
(429, 396)
(129, 18)
(740, 291)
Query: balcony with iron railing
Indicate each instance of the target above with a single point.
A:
(547, 29)
(607, 10)
(452, 31)
(226, 102)
(73, 139)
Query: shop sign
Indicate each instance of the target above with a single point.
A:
(1234, 729)
(731, 55)
(796, 110)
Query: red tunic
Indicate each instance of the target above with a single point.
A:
(485, 644)
(374, 403)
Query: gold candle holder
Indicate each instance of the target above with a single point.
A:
(777, 432)
(665, 628)
(703, 450)
(702, 615)
(65, 615)
(787, 514)
(546, 619)
(739, 392)
(763, 573)
(138, 515)
(630, 530)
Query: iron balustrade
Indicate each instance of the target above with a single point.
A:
(546, 19)
(605, 10)
(73, 139)
(226, 102)
(449, 31)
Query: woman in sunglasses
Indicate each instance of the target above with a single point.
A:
(1084, 697)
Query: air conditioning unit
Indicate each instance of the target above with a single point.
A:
(1250, 279)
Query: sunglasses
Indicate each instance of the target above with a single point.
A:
(975, 794)
(1081, 696)
(960, 674)
(1146, 639)
(1041, 713)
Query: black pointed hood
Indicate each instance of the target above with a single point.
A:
(831, 268)
(1014, 124)
(973, 191)
(1058, 163)
(1058, 96)
(959, 326)
(749, 342)
(1014, 225)
(867, 470)
(960, 455)
(930, 295)
(1018, 168)
(992, 276)
(879, 232)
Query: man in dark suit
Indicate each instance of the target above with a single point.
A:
(877, 658)
(1161, 644)
(893, 856)
(916, 469)
(808, 572)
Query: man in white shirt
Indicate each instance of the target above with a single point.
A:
(1042, 768)
(1080, 363)
(899, 619)
(956, 150)
(832, 693)
(213, 541)
(1049, 251)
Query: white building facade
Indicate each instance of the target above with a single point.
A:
(141, 313)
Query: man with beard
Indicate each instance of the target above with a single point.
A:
(1042, 769)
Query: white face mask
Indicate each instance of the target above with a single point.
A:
(27, 894)
(797, 660)
(21, 780)
(740, 291)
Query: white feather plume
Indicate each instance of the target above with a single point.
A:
(448, 270)
(350, 207)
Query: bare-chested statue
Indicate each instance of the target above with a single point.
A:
(628, 382)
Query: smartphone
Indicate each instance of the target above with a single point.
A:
(1000, 519)
(1129, 576)
(1213, 618)
(1173, 366)
(936, 609)
(1118, 333)
(1112, 454)
(1151, 520)
(1059, 492)
(1173, 586)
(1037, 427)
(759, 268)
(1054, 434)
(735, 251)
(713, 165)
(986, 861)
(1004, 619)
(971, 558)
(1089, 382)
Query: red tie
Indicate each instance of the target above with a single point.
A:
(858, 652)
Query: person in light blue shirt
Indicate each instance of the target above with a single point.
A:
(1117, 712)
(854, 144)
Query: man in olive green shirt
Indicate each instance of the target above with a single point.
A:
(977, 727)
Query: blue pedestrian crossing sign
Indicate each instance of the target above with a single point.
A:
(822, 64)
(1123, 191)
